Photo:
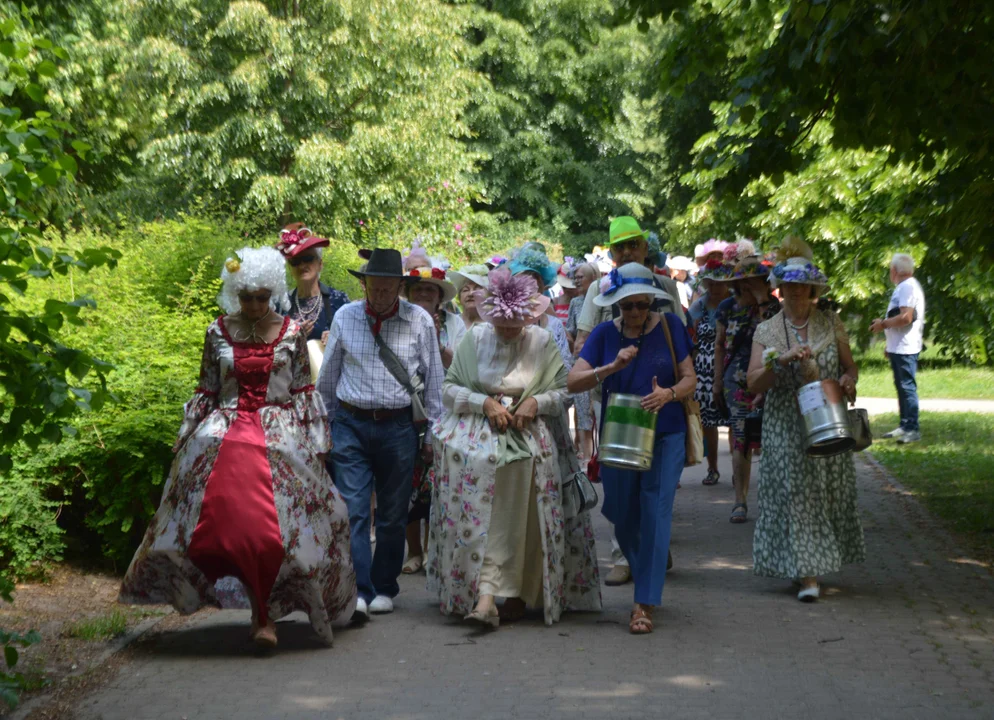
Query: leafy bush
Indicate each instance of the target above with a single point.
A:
(110, 472)
(11, 682)
(29, 535)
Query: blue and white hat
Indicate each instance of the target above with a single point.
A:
(628, 280)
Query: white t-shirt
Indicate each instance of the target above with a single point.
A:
(907, 340)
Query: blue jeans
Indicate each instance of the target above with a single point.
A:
(905, 367)
(380, 455)
(640, 506)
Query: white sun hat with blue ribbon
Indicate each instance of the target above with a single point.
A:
(628, 280)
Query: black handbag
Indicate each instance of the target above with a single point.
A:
(579, 495)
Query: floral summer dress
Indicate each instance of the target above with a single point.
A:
(248, 503)
(740, 324)
(467, 456)
(808, 521)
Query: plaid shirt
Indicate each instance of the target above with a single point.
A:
(352, 370)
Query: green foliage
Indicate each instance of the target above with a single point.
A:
(29, 534)
(326, 111)
(562, 132)
(838, 121)
(101, 627)
(44, 382)
(110, 473)
(12, 682)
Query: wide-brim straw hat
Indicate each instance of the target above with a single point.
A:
(436, 277)
(798, 270)
(716, 271)
(510, 300)
(748, 267)
(476, 274)
(564, 276)
(628, 280)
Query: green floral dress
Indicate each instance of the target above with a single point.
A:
(808, 516)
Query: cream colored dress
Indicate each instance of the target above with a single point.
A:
(512, 563)
(497, 528)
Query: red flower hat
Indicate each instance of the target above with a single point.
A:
(295, 238)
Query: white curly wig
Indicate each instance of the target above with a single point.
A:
(253, 269)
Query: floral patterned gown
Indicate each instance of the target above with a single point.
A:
(248, 502)
(468, 458)
(808, 521)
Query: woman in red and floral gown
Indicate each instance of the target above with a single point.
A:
(249, 516)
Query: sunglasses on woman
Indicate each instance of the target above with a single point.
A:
(302, 260)
(250, 297)
(629, 306)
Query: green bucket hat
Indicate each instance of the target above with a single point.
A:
(624, 228)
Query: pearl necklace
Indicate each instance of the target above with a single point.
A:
(798, 327)
(309, 309)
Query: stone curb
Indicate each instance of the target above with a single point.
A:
(116, 646)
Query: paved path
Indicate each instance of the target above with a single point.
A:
(879, 406)
(908, 635)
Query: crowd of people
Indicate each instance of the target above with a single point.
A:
(448, 421)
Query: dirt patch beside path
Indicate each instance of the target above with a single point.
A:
(77, 614)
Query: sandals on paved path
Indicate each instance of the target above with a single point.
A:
(489, 620)
(413, 565)
(739, 512)
(641, 620)
(712, 478)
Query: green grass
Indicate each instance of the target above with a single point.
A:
(951, 470)
(100, 627)
(938, 377)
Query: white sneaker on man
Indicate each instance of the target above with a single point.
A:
(381, 605)
(361, 613)
(910, 437)
(893, 434)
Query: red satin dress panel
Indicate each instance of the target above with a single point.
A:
(238, 531)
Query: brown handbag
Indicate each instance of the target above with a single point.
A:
(691, 408)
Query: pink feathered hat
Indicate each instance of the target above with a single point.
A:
(511, 300)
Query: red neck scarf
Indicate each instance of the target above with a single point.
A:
(378, 324)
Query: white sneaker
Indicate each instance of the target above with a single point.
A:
(381, 605)
(893, 434)
(909, 437)
(361, 613)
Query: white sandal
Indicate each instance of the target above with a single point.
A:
(809, 594)
(413, 565)
(489, 620)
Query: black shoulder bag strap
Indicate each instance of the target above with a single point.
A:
(391, 361)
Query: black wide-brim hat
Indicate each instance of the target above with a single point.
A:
(384, 262)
